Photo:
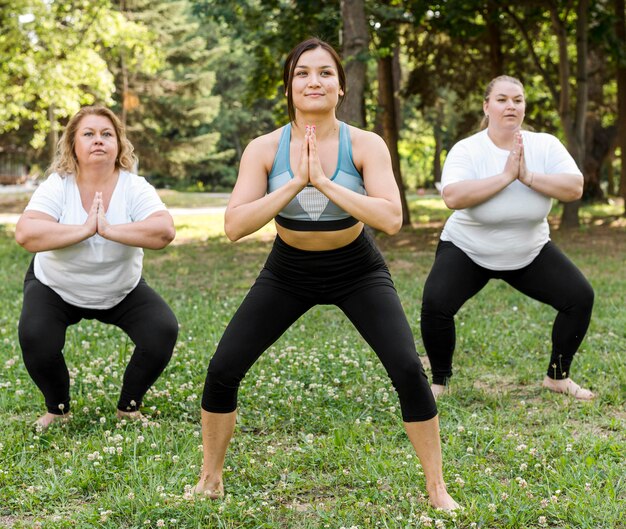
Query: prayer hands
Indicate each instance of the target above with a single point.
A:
(310, 169)
(515, 165)
(96, 217)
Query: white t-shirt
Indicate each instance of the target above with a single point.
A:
(507, 231)
(95, 273)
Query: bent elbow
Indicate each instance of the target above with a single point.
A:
(232, 234)
(393, 227)
(449, 199)
(23, 240)
(169, 235)
(574, 194)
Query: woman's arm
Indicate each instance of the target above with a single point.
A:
(473, 192)
(470, 193)
(250, 206)
(381, 207)
(154, 232)
(39, 232)
(565, 187)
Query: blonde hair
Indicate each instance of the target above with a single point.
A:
(65, 161)
(489, 89)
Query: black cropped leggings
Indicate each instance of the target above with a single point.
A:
(354, 278)
(142, 314)
(551, 278)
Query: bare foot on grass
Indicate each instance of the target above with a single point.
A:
(209, 488)
(569, 387)
(132, 415)
(44, 422)
(438, 390)
(439, 498)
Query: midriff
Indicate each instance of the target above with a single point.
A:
(316, 241)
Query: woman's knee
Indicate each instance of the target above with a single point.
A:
(406, 375)
(37, 341)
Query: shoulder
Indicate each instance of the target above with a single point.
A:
(266, 141)
(472, 145)
(262, 149)
(366, 144)
(55, 182)
(541, 140)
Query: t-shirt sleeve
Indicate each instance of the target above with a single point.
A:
(458, 166)
(48, 197)
(144, 200)
(558, 158)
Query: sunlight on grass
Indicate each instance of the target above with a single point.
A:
(198, 228)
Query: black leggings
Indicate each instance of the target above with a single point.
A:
(551, 278)
(142, 314)
(354, 278)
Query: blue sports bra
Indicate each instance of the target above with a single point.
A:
(310, 209)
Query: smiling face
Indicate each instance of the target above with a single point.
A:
(95, 141)
(505, 106)
(315, 85)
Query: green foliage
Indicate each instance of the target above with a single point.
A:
(170, 122)
(51, 61)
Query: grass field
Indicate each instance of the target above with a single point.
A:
(319, 441)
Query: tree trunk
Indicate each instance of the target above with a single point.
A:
(620, 24)
(494, 35)
(389, 126)
(355, 37)
(575, 128)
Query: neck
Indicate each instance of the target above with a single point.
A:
(324, 126)
(502, 138)
(97, 175)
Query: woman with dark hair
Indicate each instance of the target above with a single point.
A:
(501, 182)
(87, 225)
(321, 181)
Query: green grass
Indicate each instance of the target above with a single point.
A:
(319, 441)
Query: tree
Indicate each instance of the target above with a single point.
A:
(169, 111)
(620, 30)
(51, 62)
(355, 54)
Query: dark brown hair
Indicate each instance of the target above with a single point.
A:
(292, 60)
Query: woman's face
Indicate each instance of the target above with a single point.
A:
(95, 142)
(315, 83)
(505, 106)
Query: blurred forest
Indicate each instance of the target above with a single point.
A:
(195, 80)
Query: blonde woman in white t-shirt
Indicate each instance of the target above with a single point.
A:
(87, 225)
(501, 182)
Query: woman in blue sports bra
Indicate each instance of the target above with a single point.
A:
(321, 181)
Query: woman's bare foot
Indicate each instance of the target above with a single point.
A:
(48, 418)
(569, 387)
(132, 415)
(210, 488)
(438, 390)
(439, 498)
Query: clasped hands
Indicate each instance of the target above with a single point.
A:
(96, 218)
(309, 169)
(515, 165)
